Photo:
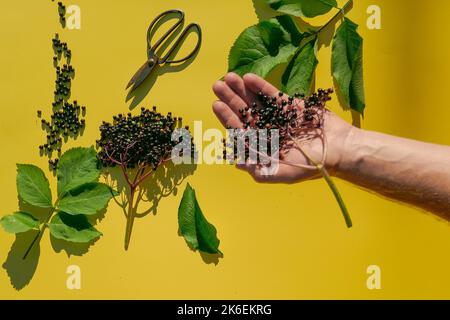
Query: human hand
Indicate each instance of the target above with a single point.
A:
(235, 93)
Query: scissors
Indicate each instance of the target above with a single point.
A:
(153, 59)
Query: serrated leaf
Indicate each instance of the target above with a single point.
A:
(347, 65)
(194, 227)
(87, 199)
(72, 228)
(33, 186)
(302, 8)
(76, 167)
(299, 74)
(19, 222)
(260, 48)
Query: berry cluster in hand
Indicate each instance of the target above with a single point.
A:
(67, 119)
(294, 116)
(137, 140)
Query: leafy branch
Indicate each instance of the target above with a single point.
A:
(270, 43)
(79, 195)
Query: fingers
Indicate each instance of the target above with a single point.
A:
(228, 96)
(261, 174)
(236, 83)
(256, 84)
(274, 173)
(225, 115)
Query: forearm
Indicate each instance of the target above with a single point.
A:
(410, 171)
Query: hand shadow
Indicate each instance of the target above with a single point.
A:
(139, 93)
(161, 184)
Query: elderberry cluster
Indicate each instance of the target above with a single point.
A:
(64, 123)
(62, 13)
(291, 116)
(61, 49)
(132, 140)
(67, 119)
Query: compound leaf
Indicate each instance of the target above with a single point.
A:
(33, 186)
(260, 48)
(299, 74)
(72, 228)
(347, 65)
(87, 199)
(19, 222)
(302, 8)
(76, 167)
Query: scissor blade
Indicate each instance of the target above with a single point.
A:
(140, 75)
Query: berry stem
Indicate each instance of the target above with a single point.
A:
(341, 12)
(36, 238)
(337, 195)
(39, 235)
(131, 214)
(324, 172)
(130, 217)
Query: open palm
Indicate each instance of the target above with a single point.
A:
(235, 92)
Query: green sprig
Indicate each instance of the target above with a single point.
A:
(79, 195)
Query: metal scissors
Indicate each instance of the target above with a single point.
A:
(153, 59)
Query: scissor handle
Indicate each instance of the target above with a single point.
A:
(169, 32)
(180, 40)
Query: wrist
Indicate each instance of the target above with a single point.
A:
(343, 141)
(344, 152)
(350, 153)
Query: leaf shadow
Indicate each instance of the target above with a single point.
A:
(208, 258)
(78, 249)
(162, 184)
(71, 248)
(263, 11)
(138, 94)
(20, 271)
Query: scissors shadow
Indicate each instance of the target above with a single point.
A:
(138, 95)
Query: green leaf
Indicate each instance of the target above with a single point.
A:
(33, 186)
(347, 65)
(194, 227)
(299, 74)
(262, 47)
(72, 228)
(302, 8)
(87, 199)
(76, 167)
(19, 222)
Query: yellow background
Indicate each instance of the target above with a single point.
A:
(279, 242)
